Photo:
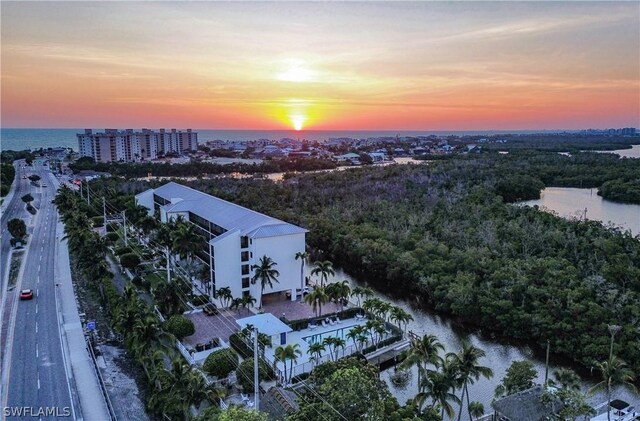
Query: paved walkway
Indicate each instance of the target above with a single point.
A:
(92, 403)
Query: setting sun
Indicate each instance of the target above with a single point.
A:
(298, 121)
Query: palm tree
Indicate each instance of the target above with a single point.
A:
(316, 298)
(303, 256)
(323, 269)
(225, 296)
(186, 241)
(163, 238)
(383, 309)
(315, 350)
(371, 305)
(614, 372)
(334, 343)
(400, 316)
(265, 273)
(362, 292)
(247, 301)
(340, 292)
(358, 335)
(469, 370)
(423, 351)
(442, 385)
(292, 352)
(236, 303)
(280, 356)
(566, 378)
(476, 410)
(288, 353)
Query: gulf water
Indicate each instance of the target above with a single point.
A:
(20, 139)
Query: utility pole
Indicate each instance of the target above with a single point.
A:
(166, 255)
(546, 365)
(88, 193)
(104, 214)
(124, 226)
(81, 197)
(256, 397)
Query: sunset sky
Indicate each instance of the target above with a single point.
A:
(321, 65)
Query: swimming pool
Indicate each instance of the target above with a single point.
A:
(341, 332)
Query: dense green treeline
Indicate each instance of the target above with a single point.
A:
(442, 233)
(7, 175)
(621, 191)
(523, 172)
(195, 169)
(563, 142)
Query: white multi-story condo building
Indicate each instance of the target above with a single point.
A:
(236, 238)
(129, 146)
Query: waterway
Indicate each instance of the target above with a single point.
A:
(577, 203)
(499, 354)
(634, 152)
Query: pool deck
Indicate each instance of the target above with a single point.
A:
(298, 338)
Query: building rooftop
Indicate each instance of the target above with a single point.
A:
(266, 323)
(226, 214)
(526, 406)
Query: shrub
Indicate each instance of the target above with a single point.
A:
(122, 250)
(221, 363)
(98, 221)
(238, 344)
(180, 326)
(112, 236)
(198, 300)
(245, 374)
(129, 260)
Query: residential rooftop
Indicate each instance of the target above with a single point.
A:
(225, 214)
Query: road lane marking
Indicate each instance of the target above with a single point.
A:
(38, 268)
(36, 308)
(37, 352)
(36, 327)
(38, 381)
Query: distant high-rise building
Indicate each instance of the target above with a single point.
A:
(129, 146)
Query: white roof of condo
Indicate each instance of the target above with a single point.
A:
(226, 214)
(266, 323)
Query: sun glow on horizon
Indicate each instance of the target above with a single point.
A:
(298, 121)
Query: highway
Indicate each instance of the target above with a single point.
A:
(36, 368)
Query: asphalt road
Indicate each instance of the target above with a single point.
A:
(37, 375)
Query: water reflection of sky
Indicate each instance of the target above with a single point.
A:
(572, 203)
(499, 355)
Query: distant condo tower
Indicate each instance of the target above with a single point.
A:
(129, 146)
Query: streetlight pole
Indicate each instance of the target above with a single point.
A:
(613, 329)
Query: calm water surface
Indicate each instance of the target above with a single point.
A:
(634, 152)
(575, 203)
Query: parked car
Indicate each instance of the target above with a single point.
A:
(26, 294)
(210, 309)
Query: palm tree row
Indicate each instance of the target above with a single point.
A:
(175, 387)
(388, 312)
(440, 377)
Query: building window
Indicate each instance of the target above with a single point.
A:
(244, 256)
(245, 269)
(245, 282)
(244, 242)
(245, 293)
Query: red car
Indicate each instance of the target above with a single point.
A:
(26, 294)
